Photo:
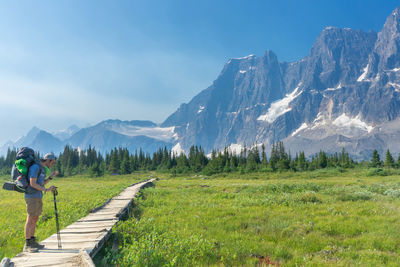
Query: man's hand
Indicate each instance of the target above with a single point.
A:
(51, 188)
(54, 174)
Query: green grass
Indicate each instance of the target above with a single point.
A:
(77, 197)
(326, 217)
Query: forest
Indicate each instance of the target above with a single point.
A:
(73, 161)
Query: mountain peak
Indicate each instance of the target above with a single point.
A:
(270, 54)
(34, 130)
(396, 12)
(387, 45)
(392, 23)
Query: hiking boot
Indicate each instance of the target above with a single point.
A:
(28, 247)
(35, 244)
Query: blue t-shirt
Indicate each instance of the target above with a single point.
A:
(38, 172)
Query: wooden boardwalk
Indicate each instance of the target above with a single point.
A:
(84, 238)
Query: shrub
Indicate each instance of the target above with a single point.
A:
(394, 193)
(309, 197)
(377, 172)
(355, 196)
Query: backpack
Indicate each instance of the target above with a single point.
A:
(25, 158)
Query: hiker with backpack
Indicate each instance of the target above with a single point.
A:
(33, 197)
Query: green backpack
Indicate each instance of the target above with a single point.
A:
(24, 160)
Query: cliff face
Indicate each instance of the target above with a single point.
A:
(345, 93)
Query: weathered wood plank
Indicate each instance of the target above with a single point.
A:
(84, 238)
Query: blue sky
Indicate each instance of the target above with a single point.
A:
(81, 62)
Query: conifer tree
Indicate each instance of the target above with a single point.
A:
(398, 162)
(301, 162)
(114, 162)
(251, 161)
(389, 161)
(182, 163)
(227, 167)
(233, 162)
(125, 164)
(322, 160)
(95, 170)
(274, 158)
(375, 160)
(264, 161)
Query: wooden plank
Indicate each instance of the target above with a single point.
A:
(83, 238)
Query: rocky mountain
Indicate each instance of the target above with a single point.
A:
(66, 133)
(37, 139)
(104, 136)
(344, 94)
(130, 134)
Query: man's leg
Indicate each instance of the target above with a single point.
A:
(30, 226)
(34, 209)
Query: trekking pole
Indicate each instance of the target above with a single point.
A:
(55, 193)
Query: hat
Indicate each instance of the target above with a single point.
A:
(49, 156)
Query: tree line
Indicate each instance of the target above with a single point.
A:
(120, 161)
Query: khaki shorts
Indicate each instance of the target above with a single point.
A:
(34, 206)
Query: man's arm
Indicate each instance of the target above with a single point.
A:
(36, 186)
(51, 177)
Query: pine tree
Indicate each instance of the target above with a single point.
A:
(301, 162)
(398, 162)
(264, 161)
(375, 160)
(233, 162)
(166, 159)
(125, 164)
(114, 162)
(95, 170)
(251, 161)
(227, 167)
(322, 160)
(182, 163)
(273, 160)
(389, 161)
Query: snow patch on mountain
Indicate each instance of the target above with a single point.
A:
(347, 122)
(364, 74)
(334, 89)
(201, 108)
(280, 107)
(302, 127)
(396, 86)
(246, 57)
(341, 122)
(319, 121)
(159, 133)
(235, 148)
(177, 149)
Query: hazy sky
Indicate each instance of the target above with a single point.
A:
(81, 62)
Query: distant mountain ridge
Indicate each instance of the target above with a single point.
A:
(344, 94)
(104, 136)
(67, 133)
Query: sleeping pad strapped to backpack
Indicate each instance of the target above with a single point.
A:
(25, 158)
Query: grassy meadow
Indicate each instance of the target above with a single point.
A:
(319, 218)
(77, 196)
(327, 217)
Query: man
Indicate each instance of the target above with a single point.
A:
(33, 199)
